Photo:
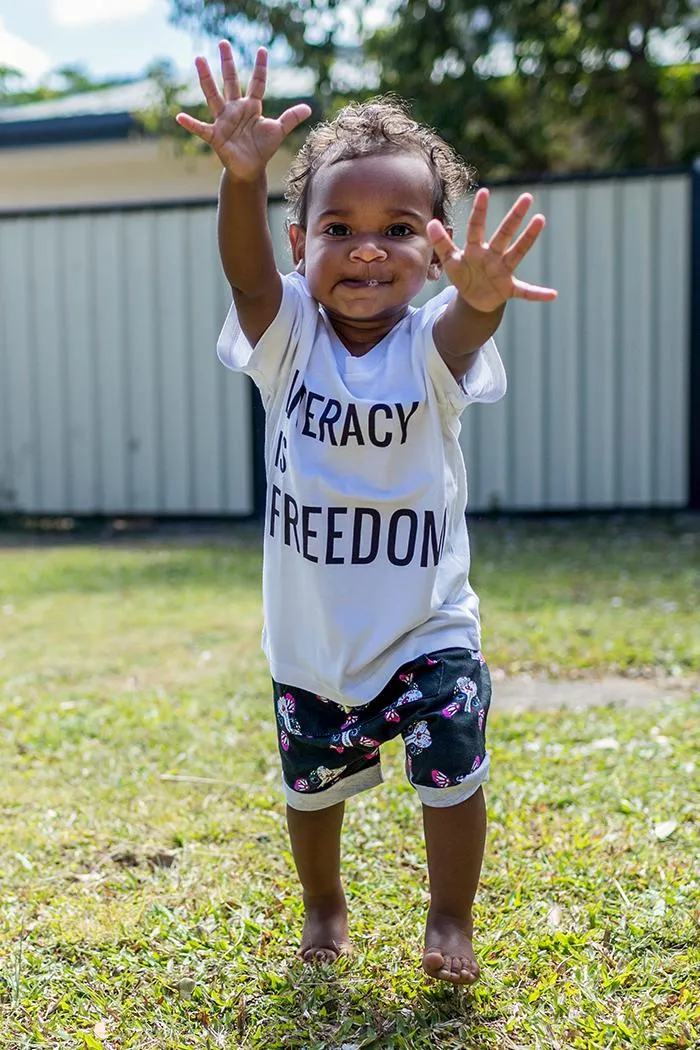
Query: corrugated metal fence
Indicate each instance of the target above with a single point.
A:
(112, 400)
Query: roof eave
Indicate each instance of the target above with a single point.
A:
(67, 130)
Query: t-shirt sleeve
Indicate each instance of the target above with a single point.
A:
(269, 361)
(486, 379)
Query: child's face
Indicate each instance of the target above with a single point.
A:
(365, 251)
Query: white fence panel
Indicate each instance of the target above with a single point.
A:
(670, 348)
(596, 414)
(112, 400)
(599, 301)
(19, 481)
(109, 326)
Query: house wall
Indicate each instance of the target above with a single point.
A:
(112, 172)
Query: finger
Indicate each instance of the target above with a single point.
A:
(509, 225)
(232, 87)
(196, 127)
(209, 88)
(476, 224)
(445, 248)
(517, 251)
(258, 80)
(533, 292)
(292, 117)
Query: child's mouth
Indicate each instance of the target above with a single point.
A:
(350, 282)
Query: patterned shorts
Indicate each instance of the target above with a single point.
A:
(438, 703)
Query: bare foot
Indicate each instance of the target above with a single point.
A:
(449, 955)
(325, 935)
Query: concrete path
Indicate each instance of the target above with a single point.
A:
(528, 693)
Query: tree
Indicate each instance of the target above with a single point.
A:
(312, 30)
(525, 86)
(594, 83)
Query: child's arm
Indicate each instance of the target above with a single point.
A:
(483, 277)
(244, 141)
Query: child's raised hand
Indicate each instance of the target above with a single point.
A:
(242, 138)
(483, 272)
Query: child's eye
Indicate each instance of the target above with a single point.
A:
(399, 229)
(338, 229)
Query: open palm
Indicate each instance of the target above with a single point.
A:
(242, 138)
(483, 273)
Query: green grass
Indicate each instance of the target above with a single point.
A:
(144, 912)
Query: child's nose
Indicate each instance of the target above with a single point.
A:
(368, 251)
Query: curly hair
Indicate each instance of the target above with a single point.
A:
(364, 129)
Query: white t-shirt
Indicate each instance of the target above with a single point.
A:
(366, 553)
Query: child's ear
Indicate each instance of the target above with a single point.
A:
(297, 240)
(435, 266)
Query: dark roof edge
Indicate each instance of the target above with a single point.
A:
(58, 211)
(88, 127)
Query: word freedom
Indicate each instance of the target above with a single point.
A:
(355, 536)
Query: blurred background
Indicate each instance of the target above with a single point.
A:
(111, 399)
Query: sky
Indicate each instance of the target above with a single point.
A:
(107, 37)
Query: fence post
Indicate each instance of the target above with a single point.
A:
(694, 414)
(258, 446)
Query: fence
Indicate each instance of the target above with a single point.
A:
(112, 401)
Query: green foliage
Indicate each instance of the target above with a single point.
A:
(520, 87)
(550, 86)
(159, 118)
(311, 29)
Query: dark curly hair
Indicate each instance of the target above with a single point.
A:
(363, 129)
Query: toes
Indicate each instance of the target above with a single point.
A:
(465, 970)
(317, 955)
(433, 961)
(468, 971)
(456, 969)
(441, 966)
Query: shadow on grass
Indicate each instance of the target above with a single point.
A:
(334, 1007)
(508, 553)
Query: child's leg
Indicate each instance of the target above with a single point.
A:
(454, 841)
(315, 838)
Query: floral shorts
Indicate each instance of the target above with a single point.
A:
(438, 703)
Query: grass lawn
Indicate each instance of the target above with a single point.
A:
(143, 907)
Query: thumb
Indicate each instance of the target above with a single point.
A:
(292, 117)
(445, 248)
(196, 127)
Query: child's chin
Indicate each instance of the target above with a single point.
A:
(365, 309)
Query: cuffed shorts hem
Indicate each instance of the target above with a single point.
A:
(438, 703)
(441, 798)
(338, 792)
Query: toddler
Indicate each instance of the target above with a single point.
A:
(371, 627)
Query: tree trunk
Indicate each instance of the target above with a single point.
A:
(647, 100)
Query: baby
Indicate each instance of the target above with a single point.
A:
(371, 626)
